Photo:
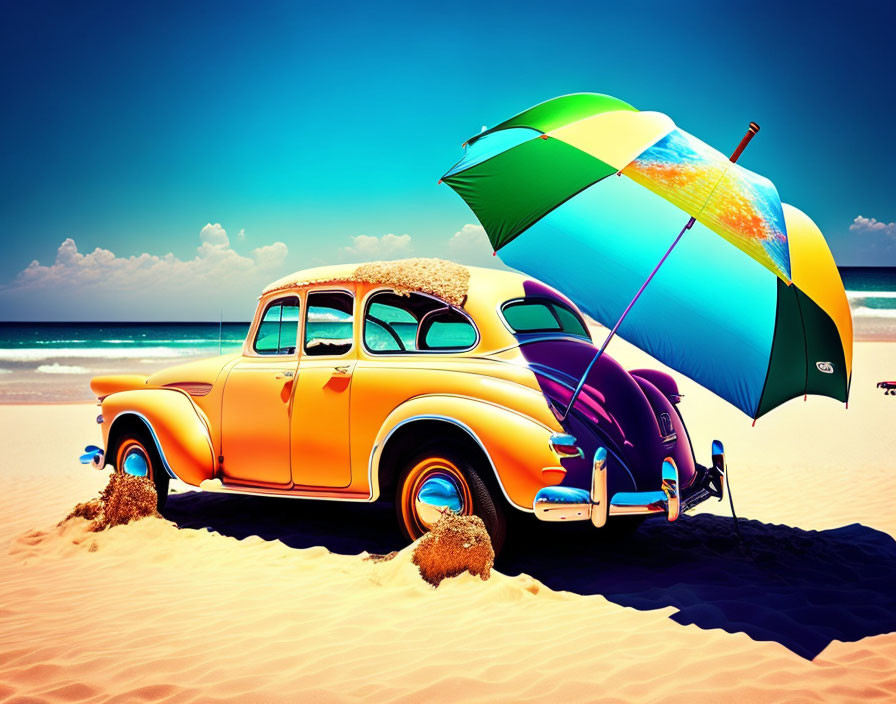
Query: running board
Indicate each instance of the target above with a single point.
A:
(216, 486)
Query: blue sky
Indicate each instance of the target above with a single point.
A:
(294, 128)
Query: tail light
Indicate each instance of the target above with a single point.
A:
(565, 446)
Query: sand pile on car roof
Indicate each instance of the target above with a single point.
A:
(437, 277)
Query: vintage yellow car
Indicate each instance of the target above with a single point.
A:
(421, 381)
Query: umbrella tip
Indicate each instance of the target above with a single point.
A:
(439, 183)
(754, 423)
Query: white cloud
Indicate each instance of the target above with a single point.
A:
(214, 235)
(241, 235)
(873, 225)
(270, 256)
(470, 245)
(100, 285)
(368, 247)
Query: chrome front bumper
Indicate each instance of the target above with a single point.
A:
(94, 456)
(563, 503)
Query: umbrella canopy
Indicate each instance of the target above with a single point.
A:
(586, 193)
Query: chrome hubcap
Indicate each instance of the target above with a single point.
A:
(135, 462)
(437, 494)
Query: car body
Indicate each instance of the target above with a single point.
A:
(425, 382)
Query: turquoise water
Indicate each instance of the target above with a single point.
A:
(24, 342)
(872, 298)
(54, 361)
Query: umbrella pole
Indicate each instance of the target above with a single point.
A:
(751, 132)
(578, 390)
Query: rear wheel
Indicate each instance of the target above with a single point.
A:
(434, 482)
(136, 455)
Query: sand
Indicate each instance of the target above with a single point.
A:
(254, 599)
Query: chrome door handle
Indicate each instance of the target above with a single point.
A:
(285, 375)
(342, 369)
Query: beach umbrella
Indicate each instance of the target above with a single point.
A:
(586, 193)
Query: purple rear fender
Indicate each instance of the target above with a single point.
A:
(631, 415)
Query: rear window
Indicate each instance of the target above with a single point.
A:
(527, 315)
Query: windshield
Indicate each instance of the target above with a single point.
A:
(531, 315)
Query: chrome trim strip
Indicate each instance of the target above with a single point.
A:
(376, 452)
(216, 486)
(155, 439)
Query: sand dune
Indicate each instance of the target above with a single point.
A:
(250, 599)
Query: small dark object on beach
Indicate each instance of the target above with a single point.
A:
(456, 544)
(889, 387)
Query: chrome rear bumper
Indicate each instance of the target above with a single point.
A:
(563, 503)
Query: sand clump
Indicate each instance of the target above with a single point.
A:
(125, 499)
(456, 544)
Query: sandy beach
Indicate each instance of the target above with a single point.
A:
(250, 599)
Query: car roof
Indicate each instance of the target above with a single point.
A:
(452, 282)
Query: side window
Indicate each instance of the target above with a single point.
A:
(543, 315)
(446, 330)
(328, 323)
(395, 323)
(278, 329)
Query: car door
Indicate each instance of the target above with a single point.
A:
(320, 414)
(257, 398)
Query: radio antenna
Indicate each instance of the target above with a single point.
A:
(220, 330)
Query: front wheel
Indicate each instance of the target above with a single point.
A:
(434, 482)
(136, 455)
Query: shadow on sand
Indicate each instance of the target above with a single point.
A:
(802, 589)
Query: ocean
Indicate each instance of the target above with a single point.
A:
(872, 298)
(49, 362)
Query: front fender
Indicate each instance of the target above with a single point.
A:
(517, 447)
(179, 429)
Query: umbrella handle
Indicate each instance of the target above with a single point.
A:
(751, 132)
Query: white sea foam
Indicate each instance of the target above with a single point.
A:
(5, 371)
(57, 368)
(853, 295)
(322, 317)
(33, 354)
(865, 312)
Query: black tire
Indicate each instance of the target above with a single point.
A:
(157, 472)
(484, 504)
